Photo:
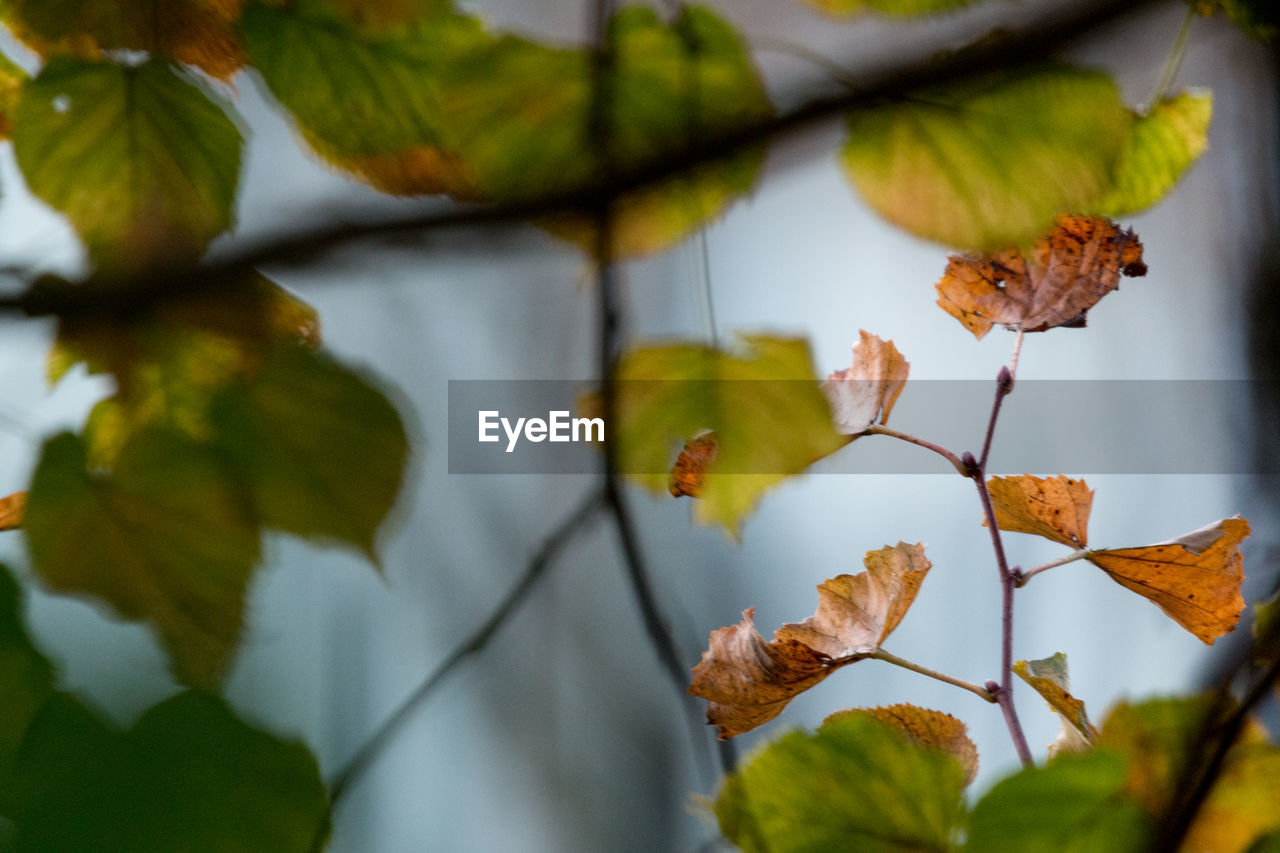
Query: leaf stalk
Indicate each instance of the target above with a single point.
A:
(979, 691)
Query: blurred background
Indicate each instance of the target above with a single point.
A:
(564, 735)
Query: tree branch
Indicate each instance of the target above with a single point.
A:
(1026, 47)
(1008, 580)
(551, 548)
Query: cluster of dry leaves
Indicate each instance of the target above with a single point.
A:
(1195, 579)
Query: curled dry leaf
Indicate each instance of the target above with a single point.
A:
(691, 466)
(926, 727)
(868, 388)
(1056, 508)
(12, 509)
(1048, 677)
(857, 612)
(1069, 269)
(748, 682)
(1195, 579)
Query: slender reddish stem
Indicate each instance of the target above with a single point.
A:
(1008, 579)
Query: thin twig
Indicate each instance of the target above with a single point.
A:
(1013, 359)
(134, 293)
(1174, 60)
(551, 547)
(834, 69)
(880, 429)
(1004, 386)
(1024, 576)
(981, 692)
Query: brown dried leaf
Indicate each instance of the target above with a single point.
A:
(857, 612)
(926, 727)
(747, 681)
(1056, 508)
(12, 510)
(1195, 579)
(1070, 269)
(691, 466)
(867, 389)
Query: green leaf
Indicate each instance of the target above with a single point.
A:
(854, 785)
(165, 538)
(769, 415)
(1160, 736)
(170, 360)
(193, 31)
(1161, 147)
(436, 105)
(143, 161)
(321, 450)
(1075, 804)
(988, 164)
(188, 776)
(26, 682)
(892, 8)
(520, 116)
(1267, 844)
(363, 89)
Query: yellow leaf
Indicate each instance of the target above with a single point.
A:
(924, 726)
(762, 401)
(1159, 737)
(1195, 579)
(12, 509)
(1048, 677)
(1056, 508)
(1069, 269)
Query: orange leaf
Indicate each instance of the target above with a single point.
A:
(869, 387)
(748, 681)
(1056, 508)
(12, 510)
(1195, 579)
(691, 465)
(926, 727)
(857, 612)
(1070, 269)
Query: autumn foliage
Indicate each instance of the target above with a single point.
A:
(228, 421)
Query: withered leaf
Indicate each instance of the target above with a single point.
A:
(1056, 508)
(1195, 579)
(857, 612)
(1069, 269)
(1048, 677)
(12, 509)
(868, 388)
(748, 682)
(924, 726)
(691, 466)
